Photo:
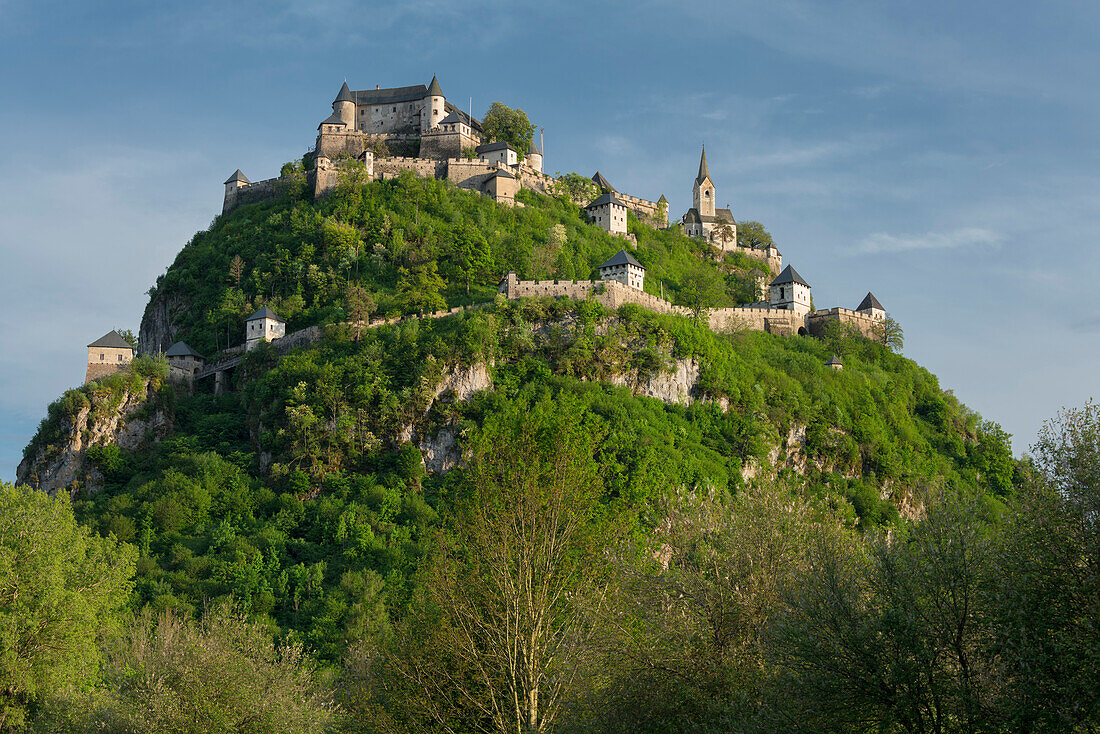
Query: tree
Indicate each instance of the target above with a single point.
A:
(473, 256)
(753, 235)
(236, 270)
(700, 291)
(358, 305)
(889, 333)
(504, 124)
(418, 290)
(59, 587)
(507, 599)
(723, 234)
(129, 336)
(168, 674)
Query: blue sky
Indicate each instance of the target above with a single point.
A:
(942, 154)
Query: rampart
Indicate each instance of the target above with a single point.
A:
(869, 327)
(392, 167)
(250, 193)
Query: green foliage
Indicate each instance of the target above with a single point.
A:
(753, 235)
(501, 123)
(59, 586)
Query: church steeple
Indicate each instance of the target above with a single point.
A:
(704, 172)
(703, 190)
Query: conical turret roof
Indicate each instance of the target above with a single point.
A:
(345, 95)
(704, 171)
(533, 149)
(237, 177)
(434, 90)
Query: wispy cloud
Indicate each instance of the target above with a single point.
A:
(883, 242)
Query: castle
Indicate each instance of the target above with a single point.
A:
(447, 143)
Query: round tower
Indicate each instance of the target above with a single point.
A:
(534, 156)
(344, 106)
(435, 107)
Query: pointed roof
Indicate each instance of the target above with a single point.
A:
(265, 313)
(181, 349)
(455, 116)
(502, 173)
(704, 171)
(490, 147)
(333, 119)
(603, 183)
(112, 339)
(533, 149)
(434, 90)
(662, 200)
(789, 275)
(237, 176)
(869, 301)
(834, 360)
(345, 94)
(604, 200)
(622, 257)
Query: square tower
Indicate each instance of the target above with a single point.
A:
(264, 325)
(609, 212)
(625, 269)
(790, 292)
(107, 355)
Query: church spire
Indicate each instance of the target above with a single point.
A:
(704, 172)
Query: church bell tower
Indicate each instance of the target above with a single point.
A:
(703, 191)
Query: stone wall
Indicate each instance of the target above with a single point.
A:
(349, 144)
(393, 166)
(868, 326)
(443, 145)
(250, 194)
(469, 173)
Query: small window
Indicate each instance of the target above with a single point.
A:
(120, 358)
(101, 356)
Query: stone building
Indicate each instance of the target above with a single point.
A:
(790, 292)
(608, 212)
(871, 307)
(501, 186)
(264, 325)
(625, 269)
(183, 360)
(106, 355)
(835, 364)
(497, 153)
(534, 156)
(704, 219)
(404, 117)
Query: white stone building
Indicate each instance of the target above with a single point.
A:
(609, 212)
(704, 219)
(264, 325)
(625, 269)
(790, 292)
(870, 306)
(497, 153)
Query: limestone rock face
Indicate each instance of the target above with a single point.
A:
(61, 464)
(676, 387)
(158, 329)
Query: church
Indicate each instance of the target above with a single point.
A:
(703, 219)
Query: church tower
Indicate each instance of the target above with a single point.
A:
(703, 191)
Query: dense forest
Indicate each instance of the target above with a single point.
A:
(791, 549)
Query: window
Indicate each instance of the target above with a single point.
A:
(101, 356)
(120, 358)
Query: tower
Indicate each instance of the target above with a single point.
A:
(703, 191)
(343, 106)
(435, 105)
(790, 292)
(233, 184)
(534, 156)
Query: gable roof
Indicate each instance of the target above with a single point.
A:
(392, 95)
(603, 183)
(265, 313)
(724, 215)
(180, 349)
(704, 170)
(502, 173)
(869, 301)
(622, 257)
(490, 147)
(345, 94)
(604, 200)
(238, 176)
(333, 119)
(434, 90)
(789, 275)
(113, 340)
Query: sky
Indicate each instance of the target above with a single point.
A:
(943, 155)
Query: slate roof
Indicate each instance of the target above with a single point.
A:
(113, 340)
(180, 349)
(490, 147)
(869, 301)
(724, 215)
(603, 183)
(392, 95)
(789, 275)
(238, 176)
(622, 257)
(471, 121)
(704, 171)
(501, 172)
(455, 116)
(604, 200)
(434, 90)
(834, 360)
(345, 94)
(265, 313)
(533, 149)
(333, 119)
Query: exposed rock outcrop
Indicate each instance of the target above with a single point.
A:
(62, 464)
(677, 387)
(158, 324)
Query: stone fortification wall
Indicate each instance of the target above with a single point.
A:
(393, 166)
(469, 174)
(774, 262)
(646, 210)
(817, 320)
(444, 145)
(349, 144)
(250, 194)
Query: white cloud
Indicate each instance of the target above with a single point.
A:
(883, 242)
